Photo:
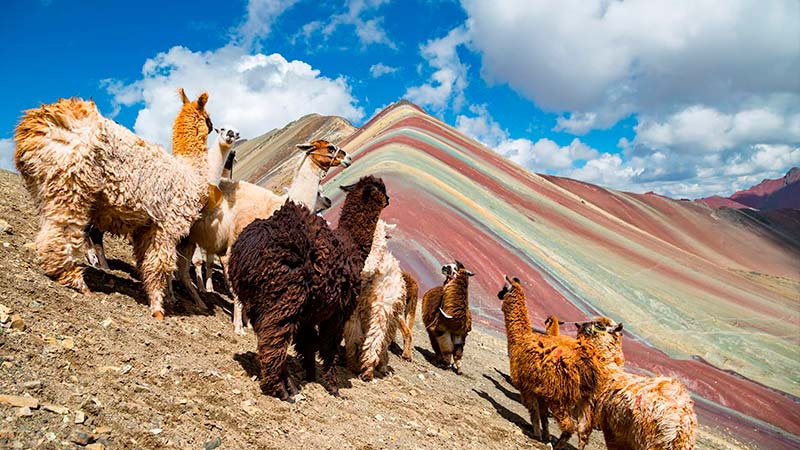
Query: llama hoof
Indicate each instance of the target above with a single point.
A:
(240, 331)
(367, 376)
(159, 315)
(406, 356)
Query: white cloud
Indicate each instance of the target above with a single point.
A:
(368, 30)
(7, 147)
(449, 79)
(261, 14)
(600, 61)
(253, 92)
(543, 155)
(380, 69)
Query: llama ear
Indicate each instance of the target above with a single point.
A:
(617, 329)
(305, 147)
(202, 100)
(348, 188)
(219, 131)
(183, 96)
(470, 274)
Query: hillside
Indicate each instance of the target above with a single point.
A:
(709, 296)
(103, 373)
(778, 193)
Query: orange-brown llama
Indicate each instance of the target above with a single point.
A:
(446, 315)
(633, 411)
(406, 324)
(556, 372)
(81, 168)
(551, 325)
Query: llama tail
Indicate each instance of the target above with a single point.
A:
(61, 127)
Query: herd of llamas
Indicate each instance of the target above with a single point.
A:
(297, 280)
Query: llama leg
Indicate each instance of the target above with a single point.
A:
(584, 423)
(543, 419)
(530, 403)
(435, 346)
(353, 339)
(273, 341)
(238, 310)
(458, 352)
(156, 255)
(374, 341)
(330, 332)
(94, 248)
(185, 253)
(406, 332)
(197, 262)
(445, 341)
(209, 272)
(60, 245)
(564, 418)
(306, 346)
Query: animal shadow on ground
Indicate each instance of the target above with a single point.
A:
(429, 356)
(109, 283)
(505, 376)
(507, 414)
(508, 393)
(249, 362)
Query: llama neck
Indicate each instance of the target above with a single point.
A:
(189, 135)
(378, 250)
(358, 224)
(518, 326)
(457, 288)
(217, 155)
(305, 185)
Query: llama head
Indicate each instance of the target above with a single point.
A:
(227, 136)
(452, 270)
(368, 191)
(606, 335)
(325, 155)
(191, 129)
(551, 325)
(509, 286)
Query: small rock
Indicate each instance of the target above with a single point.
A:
(5, 227)
(126, 368)
(6, 245)
(79, 437)
(80, 417)
(55, 408)
(212, 444)
(421, 376)
(4, 313)
(431, 432)
(68, 343)
(379, 417)
(24, 412)
(35, 384)
(102, 430)
(35, 305)
(50, 436)
(17, 323)
(30, 246)
(156, 430)
(95, 446)
(19, 401)
(163, 372)
(107, 323)
(299, 397)
(106, 369)
(236, 392)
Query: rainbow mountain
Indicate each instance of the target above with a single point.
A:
(708, 295)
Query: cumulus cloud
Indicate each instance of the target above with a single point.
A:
(543, 155)
(449, 78)
(257, 24)
(253, 92)
(7, 155)
(600, 61)
(368, 30)
(380, 69)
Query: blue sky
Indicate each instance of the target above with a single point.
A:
(682, 98)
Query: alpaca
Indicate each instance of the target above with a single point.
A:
(446, 315)
(556, 372)
(406, 324)
(636, 412)
(299, 281)
(381, 305)
(81, 168)
(243, 202)
(217, 154)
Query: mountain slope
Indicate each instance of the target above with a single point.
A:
(709, 297)
(779, 193)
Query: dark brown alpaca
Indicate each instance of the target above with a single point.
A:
(446, 315)
(299, 281)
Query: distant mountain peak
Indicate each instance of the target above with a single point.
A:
(778, 193)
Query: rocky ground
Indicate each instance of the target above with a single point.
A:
(97, 372)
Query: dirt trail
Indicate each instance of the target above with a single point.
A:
(106, 374)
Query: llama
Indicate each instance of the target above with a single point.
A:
(556, 372)
(381, 305)
(217, 154)
(81, 168)
(406, 323)
(635, 412)
(299, 282)
(446, 315)
(243, 202)
(551, 326)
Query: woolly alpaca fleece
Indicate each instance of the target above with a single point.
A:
(81, 168)
(447, 318)
(555, 372)
(381, 304)
(636, 412)
(299, 282)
